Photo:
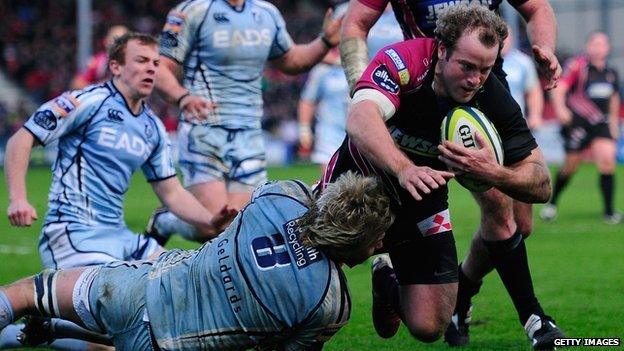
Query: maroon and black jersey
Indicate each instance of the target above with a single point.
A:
(590, 89)
(417, 17)
(403, 72)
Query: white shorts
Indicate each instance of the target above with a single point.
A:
(234, 156)
(67, 245)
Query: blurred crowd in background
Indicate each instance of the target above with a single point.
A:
(39, 45)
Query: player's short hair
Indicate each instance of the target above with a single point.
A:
(351, 215)
(461, 19)
(117, 51)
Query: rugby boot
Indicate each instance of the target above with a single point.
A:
(386, 319)
(542, 331)
(456, 333)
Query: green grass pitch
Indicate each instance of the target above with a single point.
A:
(577, 263)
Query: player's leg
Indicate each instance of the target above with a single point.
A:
(49, 294)
(523, 216)
(246, 160)
(506, 248)
(575, 138)
(203, 167)
(603, 150)
(422, 286)
(427, 309)
(496, 224)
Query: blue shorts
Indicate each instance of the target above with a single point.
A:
(115, 296)
(215, 153)
(66, 245)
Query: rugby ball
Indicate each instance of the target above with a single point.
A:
(459, 127)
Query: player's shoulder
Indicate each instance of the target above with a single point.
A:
(191, 8)
(411, 59)
(266, 6)
(294, 189)
(93, 93)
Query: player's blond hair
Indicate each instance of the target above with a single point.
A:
(349, 216)
(459, 19)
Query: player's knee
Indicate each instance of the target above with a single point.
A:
(525, 227)
(425, 329)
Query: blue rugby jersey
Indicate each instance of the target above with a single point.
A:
(223, 52)
(255, 284)
(101, 144)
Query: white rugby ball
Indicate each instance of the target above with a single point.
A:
(459, 127)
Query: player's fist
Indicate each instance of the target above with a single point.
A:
(331, 27)
(21, 213)
(196, 107)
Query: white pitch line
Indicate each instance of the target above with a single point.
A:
(15, 250)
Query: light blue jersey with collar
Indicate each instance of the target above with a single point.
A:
(101, 144)
(255, 284)
(223, 51)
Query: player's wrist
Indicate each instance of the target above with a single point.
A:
(325, 40)
(182, 97)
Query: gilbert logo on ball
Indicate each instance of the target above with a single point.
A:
(459, 126)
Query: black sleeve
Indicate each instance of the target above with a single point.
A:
(516, 3)
(505, 113)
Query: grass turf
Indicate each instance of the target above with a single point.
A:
(576, 262)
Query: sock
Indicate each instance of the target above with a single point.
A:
(606, 187)
(560, 183)
(466, 290)
(8, 340)
(8, 336)
(510, 259)
(6, 311)
(168, 224)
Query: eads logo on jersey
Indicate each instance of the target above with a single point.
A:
(383, 79)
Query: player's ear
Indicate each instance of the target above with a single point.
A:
(441, 51)
(114, 67)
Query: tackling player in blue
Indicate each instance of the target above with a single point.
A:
(219, 50)
(105, 133)
(271, 280)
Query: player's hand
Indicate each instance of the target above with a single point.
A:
(548, 66)
(196, 107)
(223, 218)
(331, 27)
(420, 181)
(480, 162)
(306, 138)
(534, 122)
(21, 213)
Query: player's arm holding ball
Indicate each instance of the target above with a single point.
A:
(376, 99)
(527, 180)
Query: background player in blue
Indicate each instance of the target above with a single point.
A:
(221, 47)
(105, 134)
(325, 96)
(418, 19)
(272, 279)
(523, 83)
